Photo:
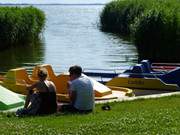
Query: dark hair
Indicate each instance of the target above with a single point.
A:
(75, 70)
(42, 72)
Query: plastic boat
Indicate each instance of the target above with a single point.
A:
(9, 100)
(18, 79)
(142, 76)
(164, 66)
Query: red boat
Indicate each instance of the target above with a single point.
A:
(164, 66)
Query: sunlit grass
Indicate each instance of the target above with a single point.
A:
(150, 116)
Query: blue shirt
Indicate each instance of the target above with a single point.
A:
(84, 93)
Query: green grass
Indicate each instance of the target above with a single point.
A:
(140, 117)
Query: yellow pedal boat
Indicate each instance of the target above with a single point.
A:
(142, 83)
(136, 78)
(18, 79)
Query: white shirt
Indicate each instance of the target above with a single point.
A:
(84, 93)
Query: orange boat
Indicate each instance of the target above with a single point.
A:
(18, 79)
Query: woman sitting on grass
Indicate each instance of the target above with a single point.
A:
(41, 98)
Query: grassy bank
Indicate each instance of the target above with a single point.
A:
(20, 25)
(153, 24)
(140, 117)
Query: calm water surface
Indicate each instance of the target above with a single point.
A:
(72, 36)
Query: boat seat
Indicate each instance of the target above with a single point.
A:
(17, 80)
(51, 74)
(146, 66)
(60, 81)
(148, 71)
(18, 75)
(137, 71)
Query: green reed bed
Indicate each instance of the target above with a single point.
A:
(153, 24)
(140, 117)
(19, 25)
(118, 15)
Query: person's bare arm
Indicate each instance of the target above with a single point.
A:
(53, 86)
(30, 91)
(72, 97)
(31, 87)
(72, 94)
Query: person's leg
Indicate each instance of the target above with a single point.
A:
(27, 101)
(84, 111)
(21, 112)
(34, 104)
(67, 108)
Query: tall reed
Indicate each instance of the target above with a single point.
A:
(156, 32)
(19, 25)
(153, 24)
(119, 14)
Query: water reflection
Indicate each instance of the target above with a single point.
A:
(72, 36)
(124, 54)
(22, 55)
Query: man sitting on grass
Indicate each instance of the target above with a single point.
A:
(80, 92)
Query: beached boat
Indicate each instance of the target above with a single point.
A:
(18, 79)
(142, 76)
(158, 67)
(9, 100)
(164, 66)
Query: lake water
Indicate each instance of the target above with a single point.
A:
(55, 1)
(72, 36)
